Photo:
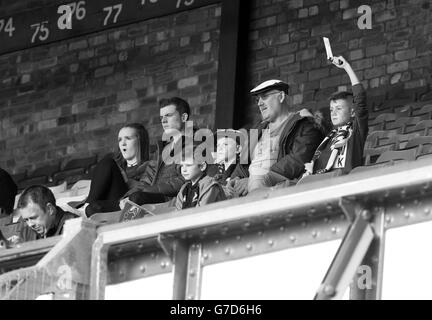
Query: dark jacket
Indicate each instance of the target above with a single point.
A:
(159, 177)
(27, 234)
(235, 170)
(297, 144)
(209, 191)
(355, 144)
(8, 191)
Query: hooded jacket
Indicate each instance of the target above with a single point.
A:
(159, 177)
(209, 191)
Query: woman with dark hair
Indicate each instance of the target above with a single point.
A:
(115, 174)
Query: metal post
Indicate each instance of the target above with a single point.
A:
(348, 257)
(187, 271)
(99, 270)
(367, 282)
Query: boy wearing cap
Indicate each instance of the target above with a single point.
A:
(280, 151)
(227, 159)
(342, 149)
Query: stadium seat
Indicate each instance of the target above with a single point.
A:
(422, 145)
(18, 177)
(75, 170)
(58, 188)
(371, 155)
(397, 156)
(45, 171)
(423, 128)
(370, 167)
(382, 121)
(32, 181)
(425, 112)
(405, 124)
(401, 140)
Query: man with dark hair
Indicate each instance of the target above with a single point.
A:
(8, 192)
(342, 149)
(162, 179)
(37, 208)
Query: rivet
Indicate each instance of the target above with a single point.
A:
(271, 243)
(329, 291)
(205, 256)
(228, 251)
(142, 269)
(407, 215)
(238, 238)
(267, 221)
(164, 264)
(388, 218)
(334, 230)
(140, 245)
(403, 193)
(249, 246)
(304, 224)
(329, 207)
(204, 232)
(260, 233)
(366, 214)
(282, 228)
(386, 194)
(246, 225)
(416, 202)
(314, 234)
(293, 238)
(326, 220)
(427, 211)
(217, 242)
(190, 297)
(192, 273)
(152, 255)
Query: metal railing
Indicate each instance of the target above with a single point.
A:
(357, 208)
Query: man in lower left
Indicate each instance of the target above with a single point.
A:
(37, 208)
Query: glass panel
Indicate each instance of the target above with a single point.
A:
(288, 274)
(408, 262)
(158, 287)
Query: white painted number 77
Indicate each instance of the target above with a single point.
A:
(109, 10)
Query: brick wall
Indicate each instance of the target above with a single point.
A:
(69, 99)
(286, 43)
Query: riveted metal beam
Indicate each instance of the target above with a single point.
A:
(99, 270)
(367, 282)
(348, 257)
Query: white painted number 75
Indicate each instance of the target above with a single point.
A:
(41, 30)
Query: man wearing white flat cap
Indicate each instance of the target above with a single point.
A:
(290, 140)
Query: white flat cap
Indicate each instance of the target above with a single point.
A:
(270, 85)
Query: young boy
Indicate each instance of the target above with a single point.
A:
(342, 149)
(199, 189)
(227, 160)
